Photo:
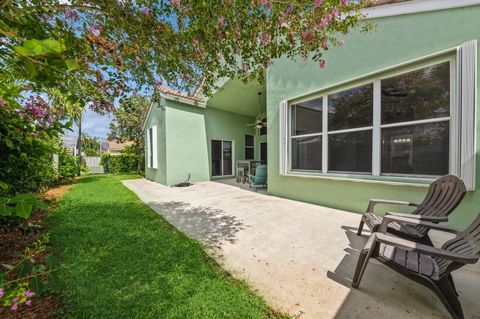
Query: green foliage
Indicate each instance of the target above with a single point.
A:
(127, 125)
(67, 165)
(122, 163)
(141, 266)
(20, 205)
(28, 277)
(90, 145)
(93, 50)
(28, 140)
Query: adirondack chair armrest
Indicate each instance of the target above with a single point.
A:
(436, 219)
(412, 222)
(373, 202)
(424, 249)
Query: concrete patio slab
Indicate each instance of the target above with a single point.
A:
(300, 257)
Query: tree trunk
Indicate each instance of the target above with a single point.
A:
(79, 147)
(139, 162)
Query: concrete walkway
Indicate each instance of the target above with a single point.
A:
(300, 257)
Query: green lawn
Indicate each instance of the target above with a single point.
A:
(121, 260)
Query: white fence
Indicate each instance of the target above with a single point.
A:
(92, 160)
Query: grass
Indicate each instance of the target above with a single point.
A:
(119, 259)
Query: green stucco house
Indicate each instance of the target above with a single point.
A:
(392, 110)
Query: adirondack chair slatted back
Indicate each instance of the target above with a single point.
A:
(443, 196)
(467, 243)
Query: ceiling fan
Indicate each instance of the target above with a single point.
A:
(259, 123)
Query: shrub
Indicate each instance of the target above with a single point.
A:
(123, 163)
(67, 165)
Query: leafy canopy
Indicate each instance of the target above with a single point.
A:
(97, 50)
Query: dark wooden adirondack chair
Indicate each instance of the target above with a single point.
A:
(424, 264)
(443, 196)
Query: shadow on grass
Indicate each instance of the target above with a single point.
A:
(85, 179)
(121, 260)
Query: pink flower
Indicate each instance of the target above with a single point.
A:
(14, 307)
(2, 104)
(267, 4)
(323, 64)
(325, 21)
(344, 2)
(71, 14)
(282, 21)
(158, 82)
(96, 30)
(195, 42)
(335, 12)
(175, 2)
(29, 294)
(146, 11)
(266, 39)
(28, 303)
(289, 10)
(318, 3)
(2, 293)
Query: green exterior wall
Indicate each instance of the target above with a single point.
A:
(157, 117)
(397, 39)
(184, 141)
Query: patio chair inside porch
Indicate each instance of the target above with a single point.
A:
(259, 180)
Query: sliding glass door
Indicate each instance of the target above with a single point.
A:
(222, 158)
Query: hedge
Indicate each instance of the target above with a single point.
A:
(123, 163)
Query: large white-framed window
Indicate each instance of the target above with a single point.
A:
(222, 157)
(152, 147)
(416, 121)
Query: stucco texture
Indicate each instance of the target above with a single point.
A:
(185, 134)
(396, 40)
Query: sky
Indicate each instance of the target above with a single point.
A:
(95, 124)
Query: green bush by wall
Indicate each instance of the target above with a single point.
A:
(123, 163)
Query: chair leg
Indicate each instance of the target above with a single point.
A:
(361, 266)
(453, 284)
(360, 228)
(445, 291)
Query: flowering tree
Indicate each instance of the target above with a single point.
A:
(69, 55)
(98, 50)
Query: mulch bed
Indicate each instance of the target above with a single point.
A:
(14, 241)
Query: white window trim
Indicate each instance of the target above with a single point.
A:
(221, 161)
(149, 151)
(155, 147)
(416, 6)
(456, 127)
(152, 148)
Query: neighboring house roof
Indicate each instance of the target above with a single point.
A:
(116, 147)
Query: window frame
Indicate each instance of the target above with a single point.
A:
(221, 158)
(375, 79)
(252, 147)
